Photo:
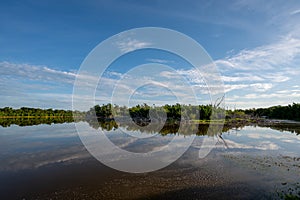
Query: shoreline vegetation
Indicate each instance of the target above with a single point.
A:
(173, 115)
(175, 112)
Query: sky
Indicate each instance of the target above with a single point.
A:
(255, 46)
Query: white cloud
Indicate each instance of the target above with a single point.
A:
(35, 72)
(267, 57)
(281, 94)
(295, 12)
(35, 86)
(249, 72)
(129, 44)
(258, 87)
(241, 78)
(261, 87)
(162, 61)
(271, 68)
(276, 77)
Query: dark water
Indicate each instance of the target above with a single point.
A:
(50, 162)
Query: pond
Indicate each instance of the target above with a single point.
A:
(50, 162)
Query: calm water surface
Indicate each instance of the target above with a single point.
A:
(50, 162)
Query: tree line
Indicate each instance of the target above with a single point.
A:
(36, 112)
(141, 112)
(171, 112)
(201, 112)
(291, 112)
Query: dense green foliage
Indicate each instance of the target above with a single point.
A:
(34, 112)
(33, 116)
(291, 112)
(176, 112)
(104, 111)
(173, 112)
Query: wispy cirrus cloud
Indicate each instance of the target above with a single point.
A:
(279, 94)
(36, 72)
(35, 86)
(268, 57)
(295, 12)
(162, 61)
(259, 70)
(251, 74)
(263, 70)
(129, 44)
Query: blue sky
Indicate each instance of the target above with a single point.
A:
(254, 44)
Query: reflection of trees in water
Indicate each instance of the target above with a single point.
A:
(290, 127)
(186, 128)
(173, 127)
(25, 121)
(107, 125)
